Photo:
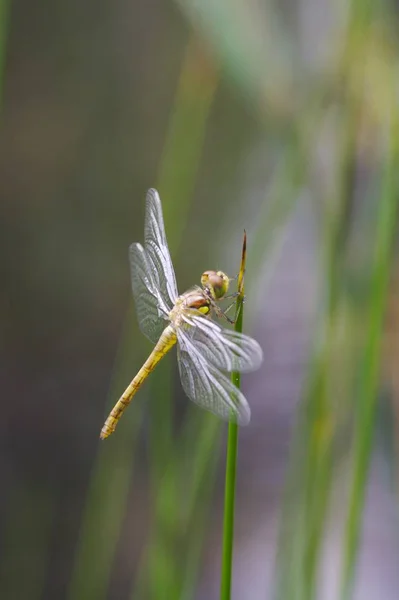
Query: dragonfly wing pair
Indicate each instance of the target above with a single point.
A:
(152, 275)
(206, 351)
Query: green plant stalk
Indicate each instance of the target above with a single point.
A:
(322, 418)
(231, 470)
(192, 468)
(107, 493)
(229, 505)
(179, 164)
(206, 461)
(363, 436)
(313, 443)
(178, 170)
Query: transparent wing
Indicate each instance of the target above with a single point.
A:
(157, 249)
(151, 311)
(207, 386)
(152, 275)
(228, 350)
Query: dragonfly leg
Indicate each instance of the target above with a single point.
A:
(237, 276)
(220, 313)
(231, 296)
(223, 313)
(230, 306)
(231, 321)
(237, 311)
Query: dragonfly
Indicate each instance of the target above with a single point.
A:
(206, 351)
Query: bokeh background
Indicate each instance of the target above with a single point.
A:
(280, 118)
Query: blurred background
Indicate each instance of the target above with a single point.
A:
(280, 118)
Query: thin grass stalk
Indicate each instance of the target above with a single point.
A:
(368, 392)
(109, 486)
(176, 182)
(204, 477)
(229, 506)
(189, 479)
(322, 416)
(160, 567)
(107, 493)
(308, 483)
(231, 458)
(177, 177)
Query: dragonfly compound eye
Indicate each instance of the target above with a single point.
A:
(216, 282)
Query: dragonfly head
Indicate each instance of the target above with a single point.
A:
(216, 282)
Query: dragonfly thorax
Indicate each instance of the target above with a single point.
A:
(198, 300)
(195, 300)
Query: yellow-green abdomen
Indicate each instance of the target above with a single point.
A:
(165, 343)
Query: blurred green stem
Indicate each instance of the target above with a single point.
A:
(231, 462)
(178, 169)
(107, 493)
(229, 505)
(161, 566)
(364, 421)
(304, 519)
(321, 412)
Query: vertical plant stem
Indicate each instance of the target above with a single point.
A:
(204, 472)
(321, 410)
(231, 459)
(363, 436)
(309, 481)
(229, 505)
(161, 566)
(196, 88)
(107, 494)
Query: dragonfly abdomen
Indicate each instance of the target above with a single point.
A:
(164, 344)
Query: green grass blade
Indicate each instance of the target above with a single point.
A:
(364, 422)
(304, 514)
(229, 506)
(107, 494)
(162, 563)
(231, 461)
